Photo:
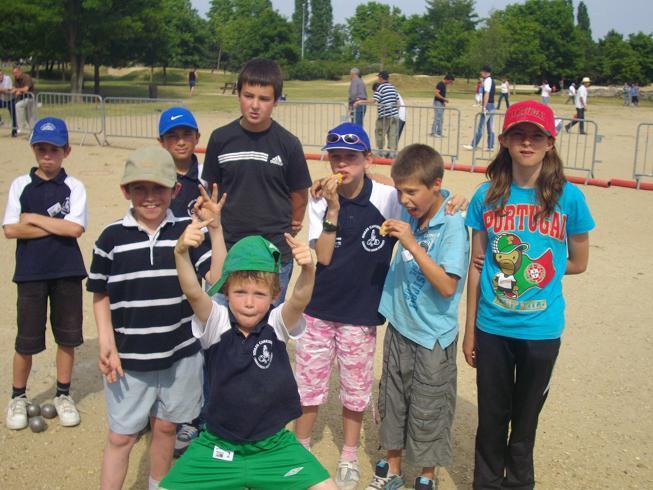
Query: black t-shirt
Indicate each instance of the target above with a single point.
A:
(182, 205)
(442, 88)
(258, 171)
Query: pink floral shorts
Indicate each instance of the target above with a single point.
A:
(352, 346)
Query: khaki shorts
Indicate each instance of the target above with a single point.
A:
(173, 394)
(417, 399)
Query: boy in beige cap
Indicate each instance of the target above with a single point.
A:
(151, 363)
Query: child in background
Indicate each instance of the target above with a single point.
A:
(253, 392)
(417, 394)
(46, 213)
(352, 254)
(152, 364)
(260, 165)
(532, 225)
(179, 135)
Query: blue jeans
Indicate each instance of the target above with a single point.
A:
(489, 120)
(358, 114)
(439, 115)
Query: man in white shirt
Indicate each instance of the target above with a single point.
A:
(7, 100)
(581, 105)
(546, 91)
(571, 93)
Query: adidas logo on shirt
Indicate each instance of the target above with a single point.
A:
(277, 161)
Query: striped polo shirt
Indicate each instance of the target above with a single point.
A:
(387, 100)
(150, 315)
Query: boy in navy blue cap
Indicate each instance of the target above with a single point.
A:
(354, 255)
(179, 135)
(46, 213)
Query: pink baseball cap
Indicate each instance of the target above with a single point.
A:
(530, 111)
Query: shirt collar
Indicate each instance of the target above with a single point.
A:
(130, 221)
(439, 217)
(256, 330)
(193, 170)
(59, 179)
(363, 197)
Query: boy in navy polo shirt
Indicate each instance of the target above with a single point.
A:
(253, 391)
(417, 394)
(46, 213)
(152, 364)
(179, 134)
(352, 254)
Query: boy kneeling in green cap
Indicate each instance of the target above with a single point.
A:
(253, 393)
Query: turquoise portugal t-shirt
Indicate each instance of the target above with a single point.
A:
(525, 259)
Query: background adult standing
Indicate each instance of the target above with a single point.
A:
(24, 92)
(504, 94)
(7, 100)
(357, 91)
(439, 102)
(487, 100)
(545, 91)
(192, 80)
(581, 105)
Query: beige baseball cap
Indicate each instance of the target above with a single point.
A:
(150, 164)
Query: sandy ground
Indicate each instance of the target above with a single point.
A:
(596, 426)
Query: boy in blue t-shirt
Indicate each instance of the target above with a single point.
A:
(420, 300)
(46, 213)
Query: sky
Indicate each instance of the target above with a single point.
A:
(624, 16)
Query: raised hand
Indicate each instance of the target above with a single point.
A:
(401, 231)
(209, 208)
(300, 251)
(193, 236)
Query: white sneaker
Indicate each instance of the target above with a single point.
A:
(347, 475)
(468, 147)
(17, 413)
(66, 410)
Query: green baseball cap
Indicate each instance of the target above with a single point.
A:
(252, 253)
(507, 243)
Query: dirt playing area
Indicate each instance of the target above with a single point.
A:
(596, 427)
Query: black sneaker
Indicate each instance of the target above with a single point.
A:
(382, 480)
(423, 483)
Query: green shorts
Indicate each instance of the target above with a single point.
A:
(277, 462)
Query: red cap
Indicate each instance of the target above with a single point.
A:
(533, 112)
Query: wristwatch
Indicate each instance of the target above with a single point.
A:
(328, 226)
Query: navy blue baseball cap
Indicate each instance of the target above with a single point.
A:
(175, 117)
(50, 130)
(347, 136)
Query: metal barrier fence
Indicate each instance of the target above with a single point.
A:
(310, 121)
(18, 117)
(134, 117)
(577, 150)
(83, 113)
(643, 159)
(418, 127)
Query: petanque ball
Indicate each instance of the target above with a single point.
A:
(38, 424)
(33, 410)
(48, 411)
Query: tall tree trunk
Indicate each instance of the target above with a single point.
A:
(165, 75)
(219, 60)
(96, 78)
(76, 73)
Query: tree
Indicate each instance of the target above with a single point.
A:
(376, 32)
(618, 62)
(583, 19)
(319, 29)
(642, 46)
(488, 45)
(437, 41)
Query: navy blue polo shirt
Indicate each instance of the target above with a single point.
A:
(182, 205)
(348, 290)
(253, 393)
(52, 256)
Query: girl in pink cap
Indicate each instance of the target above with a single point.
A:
(532, 225)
